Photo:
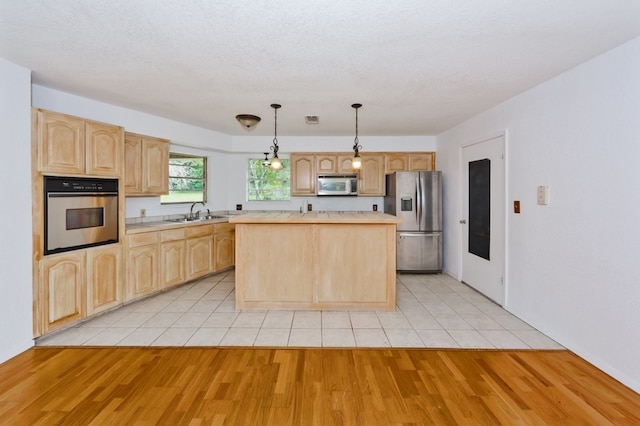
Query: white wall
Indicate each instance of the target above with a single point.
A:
(572, 265)
(16, 329)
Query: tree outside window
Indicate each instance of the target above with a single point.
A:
(187, 179)
(265, 184)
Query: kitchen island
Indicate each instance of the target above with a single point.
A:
(315, 261)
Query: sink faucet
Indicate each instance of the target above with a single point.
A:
(191, 210)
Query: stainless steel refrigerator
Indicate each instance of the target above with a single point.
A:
(416, 197)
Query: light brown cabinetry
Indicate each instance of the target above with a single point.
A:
(303, 174)
(71, 145)
(330, 270)
(371, 176)
(62, 290)
(172, 257)
(223, 246)
(142, 264)
(330, 163)
(409, 161)
(146, 165)
(105, 271)
(199, 251)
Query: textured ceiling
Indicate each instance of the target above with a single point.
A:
(418, 66)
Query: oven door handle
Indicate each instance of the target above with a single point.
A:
(84, 194)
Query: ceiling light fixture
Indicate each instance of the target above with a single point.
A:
(275, 161)
(248, 121)
(356, 163)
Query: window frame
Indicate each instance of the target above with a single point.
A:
(286, 168)
(204, 179)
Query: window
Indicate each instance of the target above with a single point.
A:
(265, 184)
(187, 179)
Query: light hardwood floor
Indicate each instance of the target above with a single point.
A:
(237, 386)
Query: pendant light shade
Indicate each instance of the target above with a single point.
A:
(356, 162)
(275, 161)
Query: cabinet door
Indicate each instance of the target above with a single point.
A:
(371, 178)
(199, 257)
(326, 164)
(132, 165)
(303, 175)
(62, 281)
(155, 166)
(224, 250)
(104, 149)
(60, 143)
(344, 163)
(172, 263)
(422, 161)
(142, 271)
(395, 162)
(104, 278)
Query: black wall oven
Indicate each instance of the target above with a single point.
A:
(79, 213)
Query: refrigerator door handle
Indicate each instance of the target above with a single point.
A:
(419, 201)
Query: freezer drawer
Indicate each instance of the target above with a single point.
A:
(419, 252)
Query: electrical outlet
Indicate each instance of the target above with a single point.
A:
(309, 207)
(238, 206)
(543, 195)
(375, 207)
(143, 212)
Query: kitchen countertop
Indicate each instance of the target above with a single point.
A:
(316, 217)
(159, 225)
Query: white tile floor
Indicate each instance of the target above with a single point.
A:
(434, 311)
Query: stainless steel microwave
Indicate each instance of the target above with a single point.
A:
(337, 185)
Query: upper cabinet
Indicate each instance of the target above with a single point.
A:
(305, 167)
(409, 161)
(146, 170)
(371, 176)
(71, 145)
(303, 174)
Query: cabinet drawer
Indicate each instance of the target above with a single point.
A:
(172, 235)
(223, 227)
(199, 231)
(143, 239)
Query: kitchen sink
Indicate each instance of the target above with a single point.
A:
(195, 219)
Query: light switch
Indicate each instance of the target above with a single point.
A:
(516, 207)
(543, 195)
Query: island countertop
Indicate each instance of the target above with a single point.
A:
(316, 217)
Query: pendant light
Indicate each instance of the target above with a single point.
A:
(356, 162)
(266, 162)
(275, 161)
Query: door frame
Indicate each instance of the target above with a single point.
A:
(505, 228)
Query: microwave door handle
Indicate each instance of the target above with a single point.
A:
(347, 186)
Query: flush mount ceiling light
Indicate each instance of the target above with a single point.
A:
(248, 121)
(275, 161)
(356, 163)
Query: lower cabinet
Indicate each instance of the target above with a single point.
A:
(199, 256)
(142, 264)
(62, 290)
(172, 265)
(105, 271)
(172, 257)
(224, 246)
(78, 284)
